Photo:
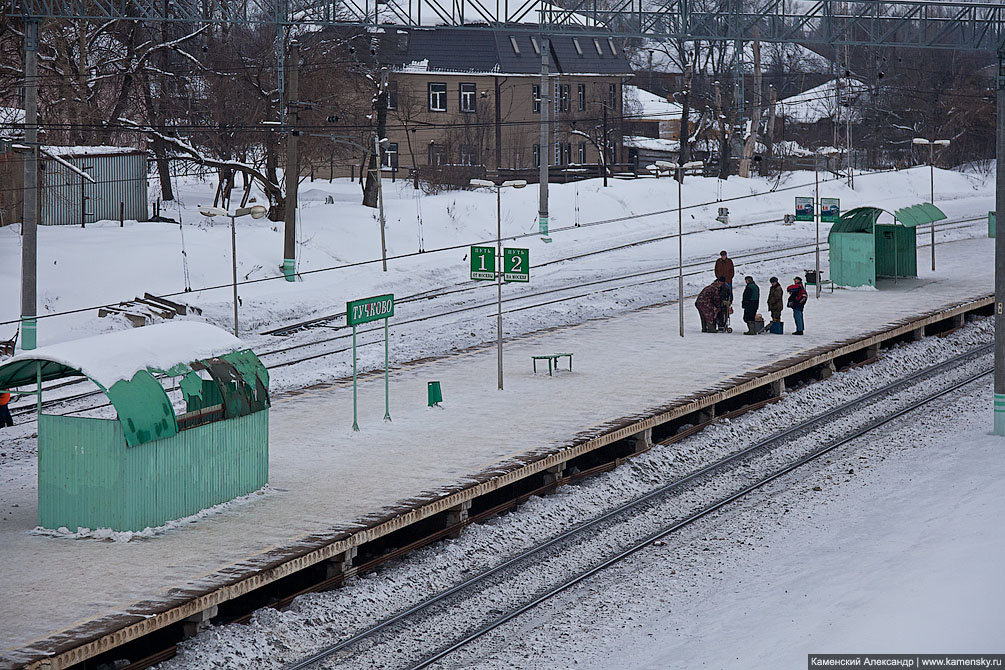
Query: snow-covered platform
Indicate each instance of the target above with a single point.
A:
(332, 489)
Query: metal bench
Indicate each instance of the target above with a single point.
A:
(552, 361)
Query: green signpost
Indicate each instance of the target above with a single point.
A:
(483, 263)
(830, 209)
(516, 265)
(804, 208)
(362, 311)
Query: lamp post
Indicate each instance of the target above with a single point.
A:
(679, 169)
(931, 176)
(485, 183)
(256, 212)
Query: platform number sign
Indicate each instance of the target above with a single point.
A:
(516, 264)
(483, 263)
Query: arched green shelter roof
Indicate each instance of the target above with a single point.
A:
(123, 365)
(863, 219)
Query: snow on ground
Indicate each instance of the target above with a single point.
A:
(889, 546)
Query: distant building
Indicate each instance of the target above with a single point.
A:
(462, 97)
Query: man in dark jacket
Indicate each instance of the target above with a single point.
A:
(724, 268)
(750, 301)
(797, 300)
(775, 303)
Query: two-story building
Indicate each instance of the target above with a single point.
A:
(461, 97)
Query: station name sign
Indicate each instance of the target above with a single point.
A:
(366, 310)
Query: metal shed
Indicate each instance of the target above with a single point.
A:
(153, 462)
(119, 185)
(861, 249)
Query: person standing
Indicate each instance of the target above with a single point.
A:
(724, 268)
(5, 418)
(797, 300)
(749, 301)
(775, 303)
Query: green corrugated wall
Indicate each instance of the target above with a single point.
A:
(99, 482)
(896, 251)
(852, 259)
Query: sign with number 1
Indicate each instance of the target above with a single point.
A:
(483, 263)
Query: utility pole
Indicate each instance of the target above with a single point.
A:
(542, 212)
(750, 142)
(772, 103)
(604, 145)
(999, 401)
(292, 164)
(29, 224)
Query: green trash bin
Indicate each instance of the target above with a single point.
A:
(434, 394)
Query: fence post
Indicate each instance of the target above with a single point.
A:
(122, 212)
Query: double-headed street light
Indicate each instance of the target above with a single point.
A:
(679, 169)
(256, 212)
(485, 183)
(931, 175)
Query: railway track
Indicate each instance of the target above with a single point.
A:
(485, 598)
(513, 303)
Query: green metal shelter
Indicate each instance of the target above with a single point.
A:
(160, 458)
(862, 249)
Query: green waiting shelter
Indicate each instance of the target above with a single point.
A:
(191, 426)
(863, 249)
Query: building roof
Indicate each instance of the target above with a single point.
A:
(829, 100)
(446, 49)
(641, 105)
(99, 150)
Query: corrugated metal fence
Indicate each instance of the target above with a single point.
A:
(120, 181)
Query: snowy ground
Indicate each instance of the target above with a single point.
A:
(890, 545)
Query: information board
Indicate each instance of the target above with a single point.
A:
(804, 209)
(830, 209)
(369, 309)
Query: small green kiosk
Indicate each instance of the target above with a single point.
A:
(862, 249)
(191, 426)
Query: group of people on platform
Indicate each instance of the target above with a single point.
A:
(715, 302)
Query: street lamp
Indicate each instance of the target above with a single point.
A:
(485, 183)
(256, 212)
(931, 176)
(664, 165)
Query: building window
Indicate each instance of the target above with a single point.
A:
(516, 47)
(566, 153)
(582, 153)
(389, 159)
(469, 154)
(596, 43)
(579, 47)
(437, 97)
(467, 97)
(562, 97)
(536, 99)
(582, 96)
(437, 154)
(537, 155)
(612, 96)
(537, 47)
(392, 95)
(610, 43)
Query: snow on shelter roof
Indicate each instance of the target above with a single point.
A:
(111, 357)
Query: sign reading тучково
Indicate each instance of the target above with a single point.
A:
(369, 309)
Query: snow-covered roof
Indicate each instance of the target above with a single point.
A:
(824, 102)
(11, 122)
(111, 357)
(642, 105)
(652, 144)
(70, 152)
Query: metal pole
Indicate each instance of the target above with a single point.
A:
(355, 425)
(605, 145)
(816, 217)
(931, 174)
(680, 253)
(292, 164)
(380, 202)
(499, 274)
(542, 212)
(999, 400)
(387, 388)
(233, 263)
(29, 226)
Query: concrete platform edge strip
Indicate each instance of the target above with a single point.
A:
(98, 636)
